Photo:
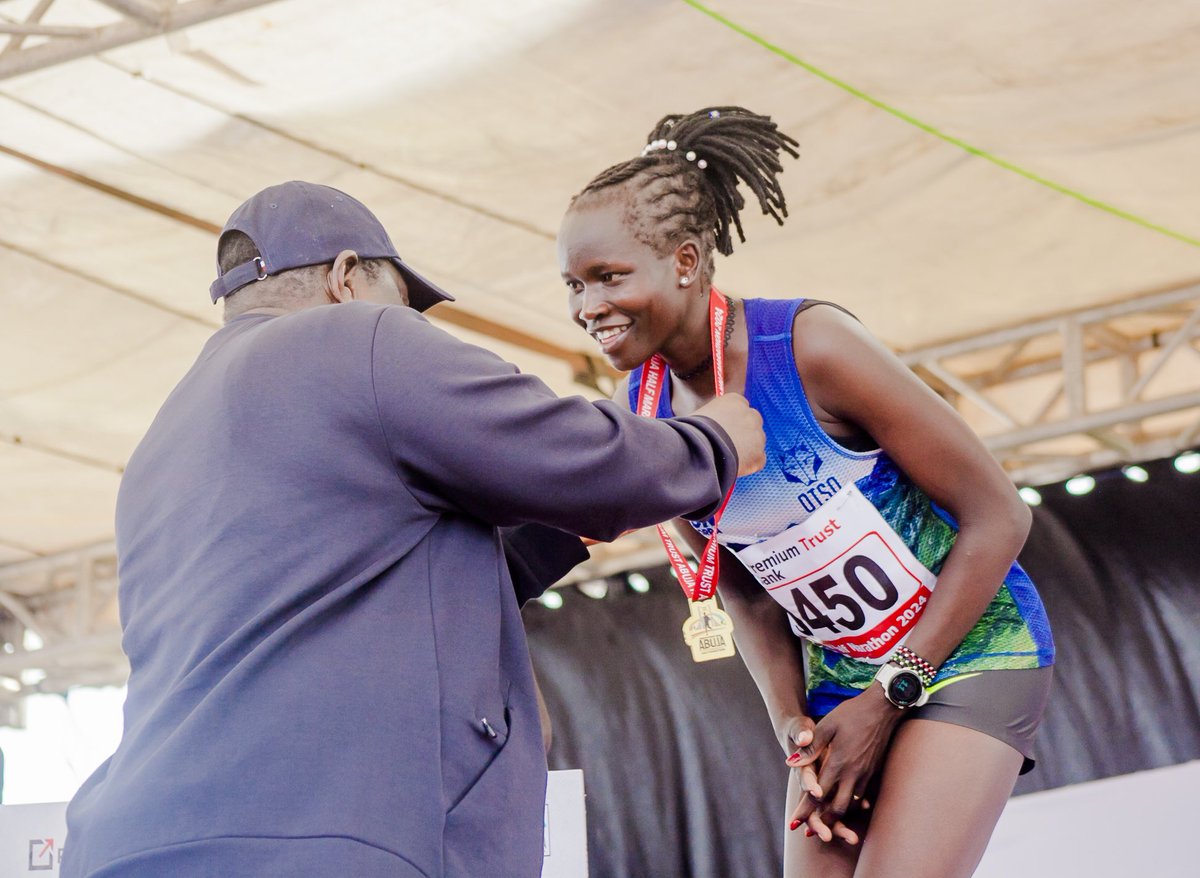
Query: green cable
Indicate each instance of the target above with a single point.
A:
(948, 138)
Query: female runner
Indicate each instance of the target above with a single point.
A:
(881, 530)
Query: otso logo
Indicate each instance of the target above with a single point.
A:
(800, 464)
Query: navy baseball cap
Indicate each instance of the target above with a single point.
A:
(297, 224)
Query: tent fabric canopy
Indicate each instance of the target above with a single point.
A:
(468, 125)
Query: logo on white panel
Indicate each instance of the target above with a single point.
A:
(41, 854)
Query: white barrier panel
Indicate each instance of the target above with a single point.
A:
(1077, 830)
(1135, 824)
(565, 840)
(32, 837)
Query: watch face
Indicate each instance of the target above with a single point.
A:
(904, 689)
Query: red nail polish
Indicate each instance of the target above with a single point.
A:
(795, 825)
(808, 832)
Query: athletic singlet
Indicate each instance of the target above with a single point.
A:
(844, 541)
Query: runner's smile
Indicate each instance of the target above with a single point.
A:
(611, 335)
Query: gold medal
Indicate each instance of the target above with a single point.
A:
(708, 631)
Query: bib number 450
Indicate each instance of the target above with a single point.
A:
(845, 610)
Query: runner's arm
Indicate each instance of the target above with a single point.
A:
(851, 376)
(854, 383)
(765, 641)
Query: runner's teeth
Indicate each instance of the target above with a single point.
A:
(606, 334)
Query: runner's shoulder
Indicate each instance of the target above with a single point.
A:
(824, 334)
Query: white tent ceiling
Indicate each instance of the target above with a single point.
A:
(468, 124)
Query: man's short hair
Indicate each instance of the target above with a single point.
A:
(233, 249)
(279, 291)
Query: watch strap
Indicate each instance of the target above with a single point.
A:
(906, 658)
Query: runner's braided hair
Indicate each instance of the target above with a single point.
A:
(685, 182)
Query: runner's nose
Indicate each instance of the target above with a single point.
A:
(592, 304)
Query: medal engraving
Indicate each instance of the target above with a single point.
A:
(708, 631)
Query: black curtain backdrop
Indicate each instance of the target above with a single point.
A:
(681, 768)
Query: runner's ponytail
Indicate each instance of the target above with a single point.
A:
(688, 176)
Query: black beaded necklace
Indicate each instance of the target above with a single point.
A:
(706, 364)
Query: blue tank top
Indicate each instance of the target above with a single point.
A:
(806, 468)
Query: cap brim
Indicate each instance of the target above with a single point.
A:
(422, 294)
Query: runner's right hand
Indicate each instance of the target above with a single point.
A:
(744, 426)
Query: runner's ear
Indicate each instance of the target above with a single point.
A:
(687, 264)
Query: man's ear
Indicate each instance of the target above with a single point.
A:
(342, 276)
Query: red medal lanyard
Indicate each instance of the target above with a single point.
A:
(699, 585)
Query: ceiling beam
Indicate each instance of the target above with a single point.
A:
(1174, 300)
(142, 10)
(138, 24)
(1085, 423)
(25, 29)
(35, 15)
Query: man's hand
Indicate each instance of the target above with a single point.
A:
(744, 426)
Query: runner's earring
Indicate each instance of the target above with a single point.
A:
(684, 281)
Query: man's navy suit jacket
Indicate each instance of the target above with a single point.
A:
(329, 671)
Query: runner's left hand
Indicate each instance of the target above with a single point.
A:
(848, 747)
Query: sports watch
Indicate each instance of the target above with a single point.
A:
(901, 686)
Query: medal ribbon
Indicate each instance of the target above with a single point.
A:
(701, 584)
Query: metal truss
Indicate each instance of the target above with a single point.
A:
(135, 20)
(59, 626)
(1094, 388)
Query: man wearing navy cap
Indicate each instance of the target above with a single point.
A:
(321, 542)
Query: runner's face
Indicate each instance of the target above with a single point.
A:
(623, 293)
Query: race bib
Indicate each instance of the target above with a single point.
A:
(845, 578)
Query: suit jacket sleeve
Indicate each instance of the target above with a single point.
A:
(539, 556)
(468, 432)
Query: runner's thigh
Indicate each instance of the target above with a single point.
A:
(944, 787)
